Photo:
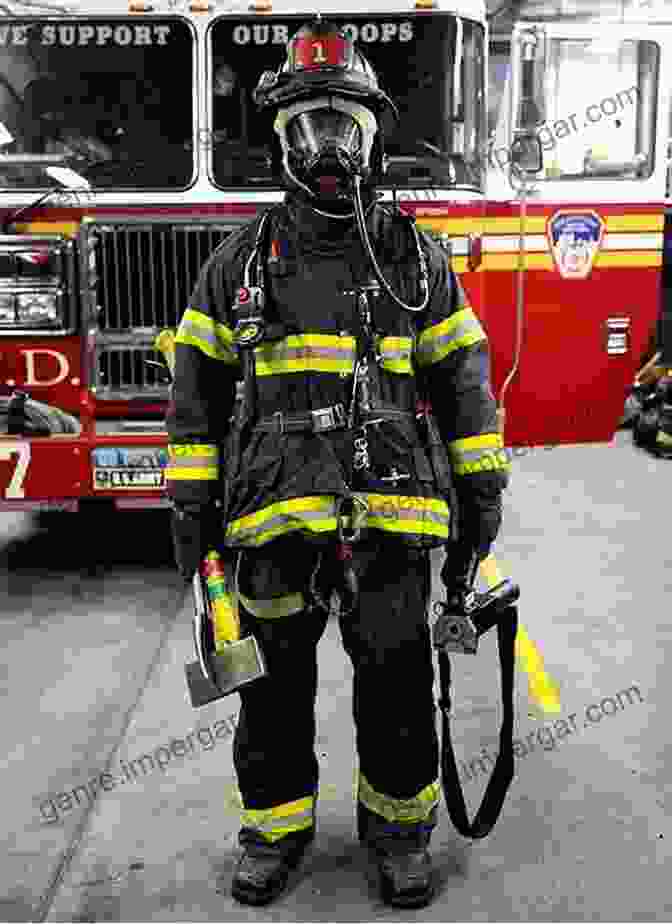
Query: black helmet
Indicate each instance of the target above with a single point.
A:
(322, 60)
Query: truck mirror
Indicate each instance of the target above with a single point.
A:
(526, 153)
(531, 63)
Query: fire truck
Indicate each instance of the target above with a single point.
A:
(130, 148)
(586, 230)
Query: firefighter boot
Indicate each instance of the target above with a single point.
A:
(264, 868)
(403, 860)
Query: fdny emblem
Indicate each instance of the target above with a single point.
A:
(575, 239)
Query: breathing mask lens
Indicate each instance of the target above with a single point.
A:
(325, 143)
(326, 146)
(321, 132)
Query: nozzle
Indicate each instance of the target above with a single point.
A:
(462, 620)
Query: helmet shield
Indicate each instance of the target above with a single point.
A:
(311, 49)
(322, 60)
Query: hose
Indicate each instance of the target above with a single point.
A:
(364, 235)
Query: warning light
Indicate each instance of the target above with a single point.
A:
(139, 6)
(261, 6)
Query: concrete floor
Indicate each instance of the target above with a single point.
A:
(96, 630)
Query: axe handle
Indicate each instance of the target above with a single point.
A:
(202, 627)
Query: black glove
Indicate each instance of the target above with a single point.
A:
(196, 530)
(459, 569)
(479, 501)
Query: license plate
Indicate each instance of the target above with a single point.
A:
(129, 468)
(107, 479)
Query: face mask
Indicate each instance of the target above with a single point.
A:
(325, 142)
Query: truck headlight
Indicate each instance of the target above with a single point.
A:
(38, 284)
(37, 310)
(7, 308)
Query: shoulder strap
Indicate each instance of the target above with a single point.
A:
(255, 282)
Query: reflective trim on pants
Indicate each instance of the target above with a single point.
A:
(411, 810)
(277, 822)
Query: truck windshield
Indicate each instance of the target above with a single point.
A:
(117, 93)
(439, 140)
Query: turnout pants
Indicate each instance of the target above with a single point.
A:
(388, 641)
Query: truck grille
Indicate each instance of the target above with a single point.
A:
(141, 275)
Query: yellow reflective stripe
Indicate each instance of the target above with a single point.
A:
(484, 453)
(395, 354)
(399, 513)
(410, 810)
(306, 353)
(208, 473)
(281, 820)
(459, 330)
(316, 514)
(663, 439)
(198, 330)
(480, 441)
(192, 462)
(275, 608)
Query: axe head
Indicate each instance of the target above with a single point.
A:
(234, 666)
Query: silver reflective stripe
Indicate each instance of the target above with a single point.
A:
(434, 344)
(283, 351)
(194, 461)
(465, 456)
(197, 331)
(411, 513)
(288, 520)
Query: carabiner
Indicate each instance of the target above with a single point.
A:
(357, 518)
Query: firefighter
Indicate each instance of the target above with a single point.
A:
(316, 485)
